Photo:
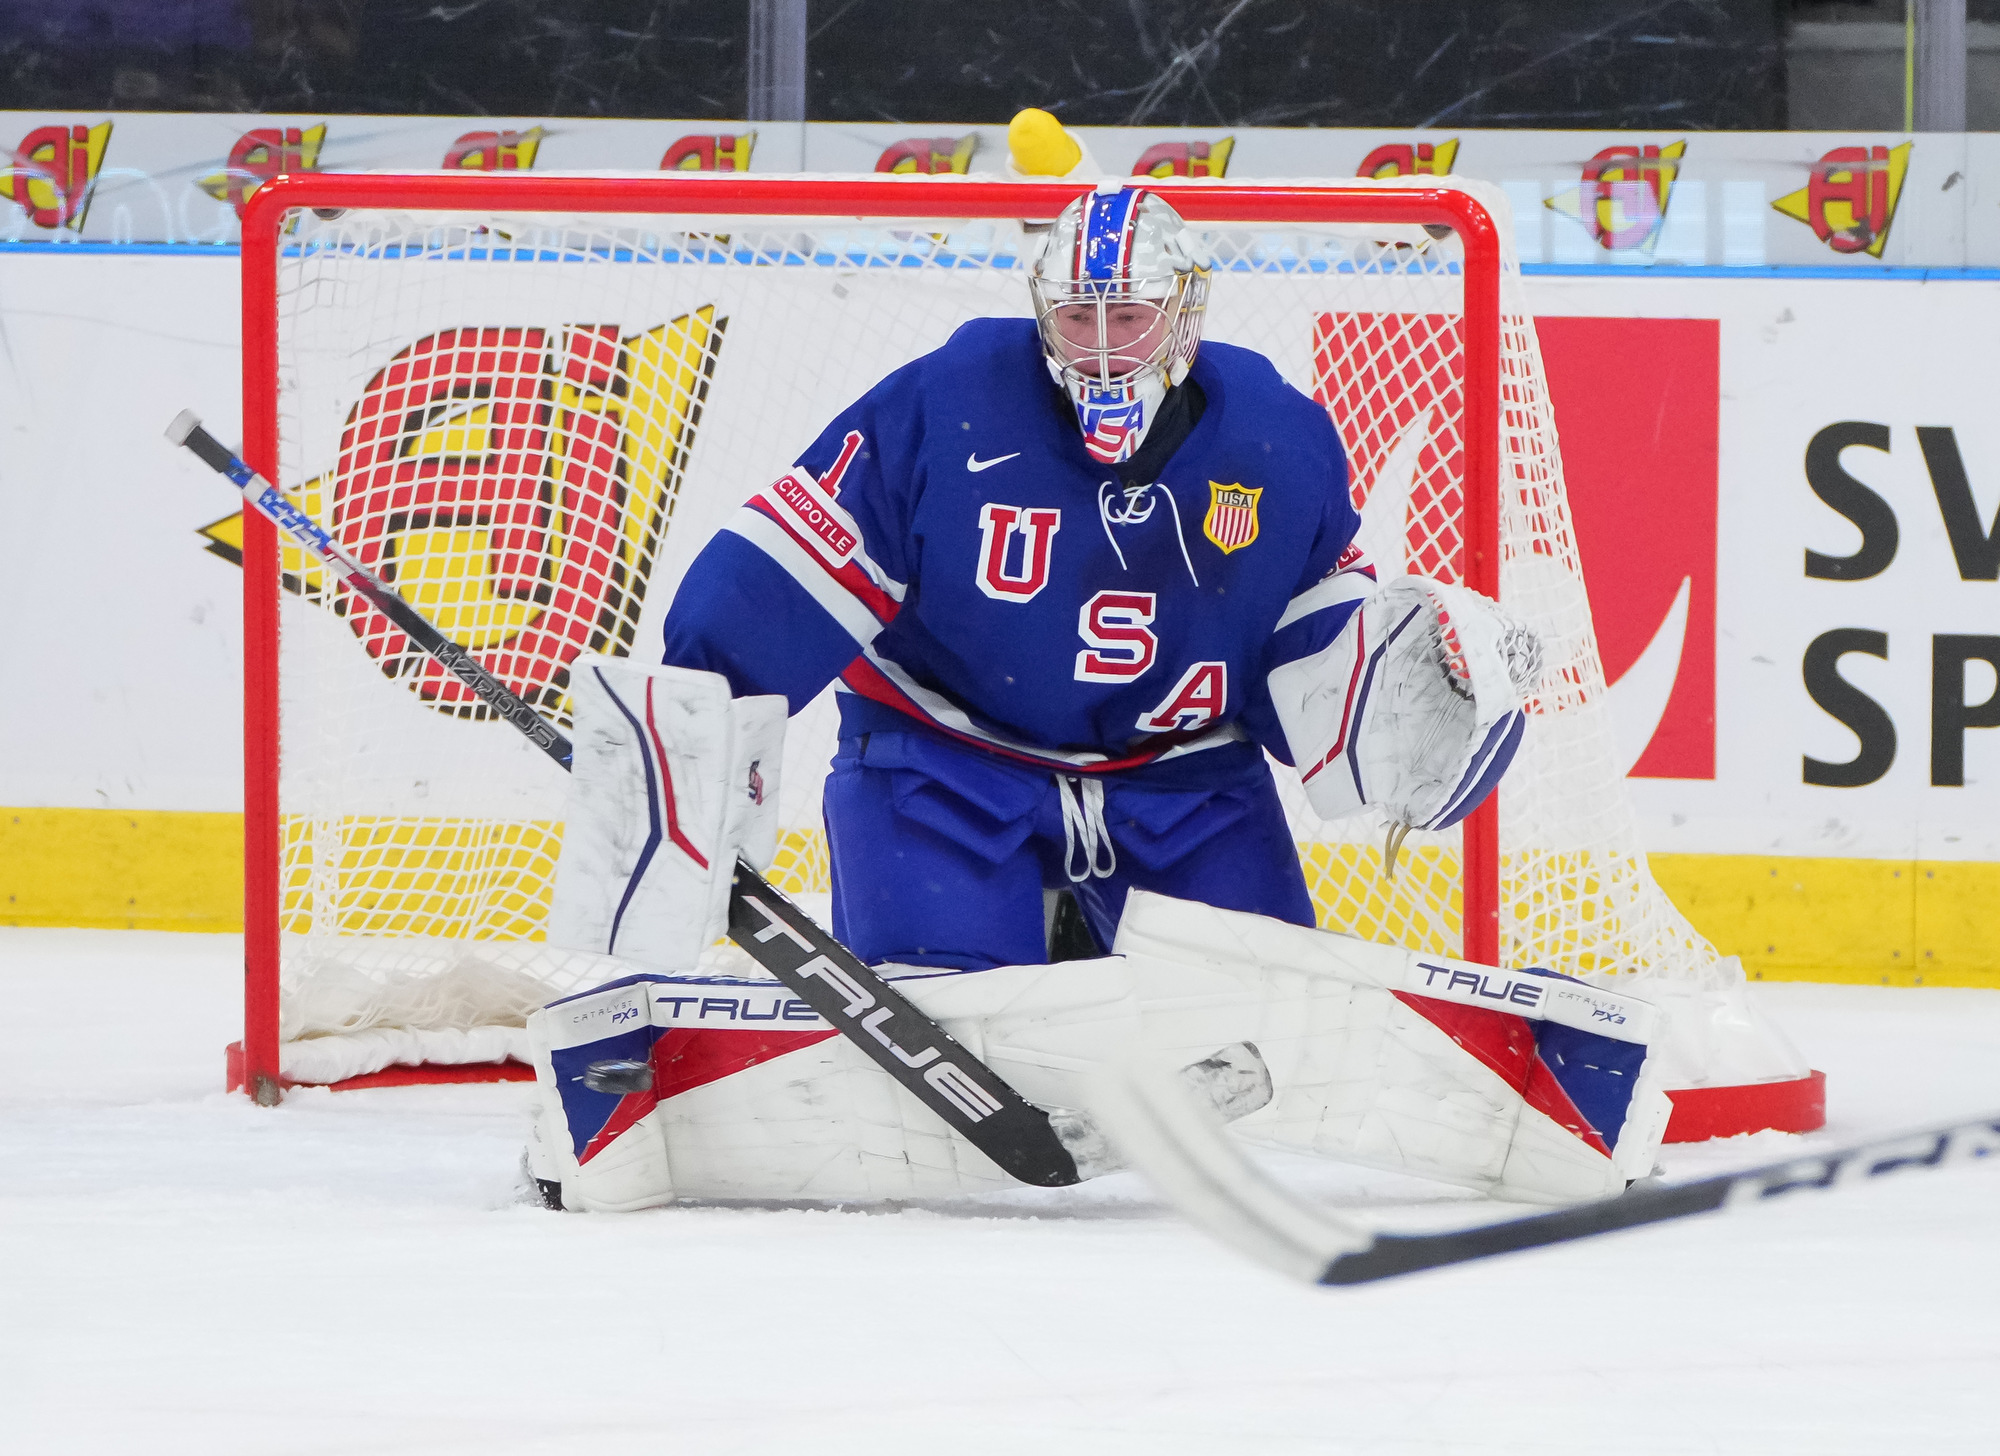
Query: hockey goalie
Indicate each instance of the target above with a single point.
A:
(1075, 578)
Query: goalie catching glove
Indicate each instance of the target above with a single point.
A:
(1416, 707)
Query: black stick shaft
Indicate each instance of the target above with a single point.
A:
(465, 667)
(901, 1040)
(270, 502)
(1392, 1254)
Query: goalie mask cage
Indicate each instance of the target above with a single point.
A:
(526, 401)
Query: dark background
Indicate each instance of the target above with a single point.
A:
(1690, 64)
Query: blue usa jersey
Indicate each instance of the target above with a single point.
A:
(951, 552)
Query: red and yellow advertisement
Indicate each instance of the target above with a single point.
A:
(54, 174)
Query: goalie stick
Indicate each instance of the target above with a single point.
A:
(1208, 1177)
(784, 940)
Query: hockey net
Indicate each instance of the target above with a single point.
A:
(530, 416)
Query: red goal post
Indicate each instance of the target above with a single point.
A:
(264, 227)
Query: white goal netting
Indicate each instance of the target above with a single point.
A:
(530, 424)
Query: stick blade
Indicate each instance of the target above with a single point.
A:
(1185, 1152)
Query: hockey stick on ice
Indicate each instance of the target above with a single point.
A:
(1208, 1178)
(780, 937)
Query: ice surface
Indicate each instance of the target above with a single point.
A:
(183, 1272)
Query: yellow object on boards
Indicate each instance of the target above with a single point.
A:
(1039, 145)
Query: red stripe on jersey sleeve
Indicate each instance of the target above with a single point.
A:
(851, 578)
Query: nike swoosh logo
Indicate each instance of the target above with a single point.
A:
(975, 464)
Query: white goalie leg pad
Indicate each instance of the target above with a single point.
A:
(598, 1132)
(717, 1086)
(1048, 1030)
(1523, 1085)
(1041, 1028)
(1416, 706)
(671, 781)
(708, 1086)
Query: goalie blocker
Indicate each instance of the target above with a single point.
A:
(1523, 1085)
(671, 782)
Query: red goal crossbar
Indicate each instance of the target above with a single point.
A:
(263, 236)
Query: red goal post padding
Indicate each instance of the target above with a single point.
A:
(264, 229)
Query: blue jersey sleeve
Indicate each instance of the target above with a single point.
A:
(1335, 579)
(809, 570)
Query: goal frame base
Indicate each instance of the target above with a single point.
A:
(1797, 1104)
(1700, 1113)
(426, 1074)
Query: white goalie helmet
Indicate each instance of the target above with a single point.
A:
(1120, 289)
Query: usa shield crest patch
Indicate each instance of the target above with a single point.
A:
(1231, 522)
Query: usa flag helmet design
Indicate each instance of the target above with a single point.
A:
(1120, 290)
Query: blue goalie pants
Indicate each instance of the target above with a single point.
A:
(940, 854)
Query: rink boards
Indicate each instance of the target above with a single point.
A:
(1689, 410)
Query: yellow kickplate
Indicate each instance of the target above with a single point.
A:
(138, 869)
(1880, 922)
(1874, 921)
